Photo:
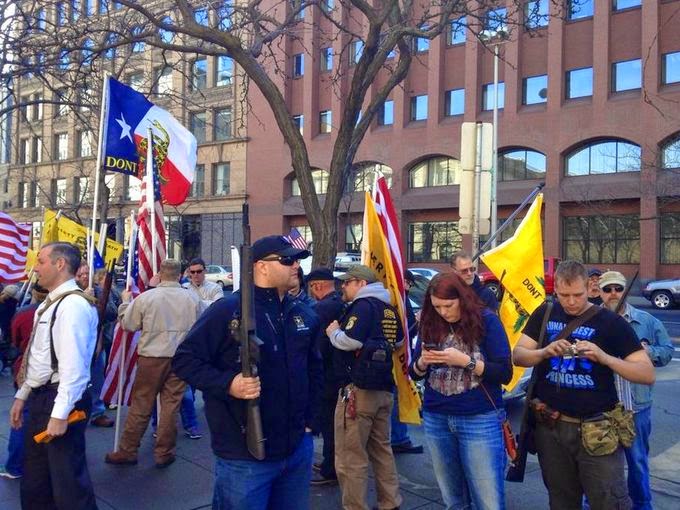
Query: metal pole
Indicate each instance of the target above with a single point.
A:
(477, 204)
(151, 199)
(494, 158)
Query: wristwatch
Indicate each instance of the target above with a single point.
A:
(472, 364)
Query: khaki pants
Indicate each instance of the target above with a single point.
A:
(154, 376)
(367, 437)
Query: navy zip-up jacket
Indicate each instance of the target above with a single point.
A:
(289, 371)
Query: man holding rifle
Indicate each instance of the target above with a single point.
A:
(285, 381)
(580, 424)
(638, 397)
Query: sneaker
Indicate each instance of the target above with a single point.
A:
(102, 421)
(120, 459)
(6, 474)
(193, 433)
(318, 480)
(407, 448)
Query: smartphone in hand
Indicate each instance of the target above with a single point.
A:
(432, 347)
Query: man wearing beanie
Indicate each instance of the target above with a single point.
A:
(638, 397)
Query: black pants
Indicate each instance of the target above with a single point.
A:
(55, 474)
(327, 428)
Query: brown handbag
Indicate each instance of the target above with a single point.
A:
(508, 437)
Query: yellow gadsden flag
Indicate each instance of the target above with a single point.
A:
(66, 230)
(377, 257)
(518, 265)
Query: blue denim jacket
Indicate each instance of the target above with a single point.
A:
(650, 330)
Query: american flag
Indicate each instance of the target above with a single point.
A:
(14, 239)
(296, 239)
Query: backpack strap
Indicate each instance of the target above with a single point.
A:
(88, 298)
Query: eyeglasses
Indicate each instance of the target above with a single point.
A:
(286, 260)
(347, 282)
(465, 270)
(197, 271)
(612, 288)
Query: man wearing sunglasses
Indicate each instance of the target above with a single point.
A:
(638, 397)
(207, 292)
(288, 382)
(461, 263)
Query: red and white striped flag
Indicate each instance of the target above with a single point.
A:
(14, 238)
(296, 239)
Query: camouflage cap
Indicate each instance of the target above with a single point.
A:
(359, 272)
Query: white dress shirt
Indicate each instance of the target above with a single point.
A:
(75, 336)
(207, 293)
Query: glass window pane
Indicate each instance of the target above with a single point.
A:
(626, 4)
(489, 98)
(536, 165)
(223, 124)
(199, 73)
(419, 108)
(433, 241)
(603, 158)
(580, 9)
(671, 155)
(386, 114)
(535, 90)
(512, 167)
(455, 102)
(457, 31)
(536, 14)
(225, 71)
(579, 83)
(671, 68)
(579, 162)
(628, 158)
(418, 176)
(670, 238)
(626, 75)
(496, 19)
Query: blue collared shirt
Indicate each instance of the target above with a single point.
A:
(659, 347)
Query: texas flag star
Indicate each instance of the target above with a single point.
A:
(125, 127)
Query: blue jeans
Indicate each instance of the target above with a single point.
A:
(97, 382)
(15, 448)
(468, 457)
(187, 411)
(637, 457)
(399, 430)
(265, 485)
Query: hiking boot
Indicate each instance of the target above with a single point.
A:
(319, 480)
(102, 421)
(120, 459)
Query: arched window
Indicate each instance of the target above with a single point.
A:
(365, 175)
(604, 157)
(437, 171)
(670, 154)
(320, 178)
(519, 164)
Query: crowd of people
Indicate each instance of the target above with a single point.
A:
(325, 367)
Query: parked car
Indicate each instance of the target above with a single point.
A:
(490, 281)
(427, 272)
(418, 289)
(520, 389)
(345, 259)
(221, 275)
(663, 293)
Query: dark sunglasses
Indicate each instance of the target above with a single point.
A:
(197, 271)
(468, 270)
(286, 260)
(612, 288)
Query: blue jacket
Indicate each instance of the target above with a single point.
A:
(650, 330)
(487, 297)
(289, 371)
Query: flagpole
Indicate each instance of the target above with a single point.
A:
(98, 170)
(151, 199)
(507, 222)
(121, 364)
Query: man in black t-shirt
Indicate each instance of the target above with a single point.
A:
(580, 387)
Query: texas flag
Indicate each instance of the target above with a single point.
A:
(129, 115)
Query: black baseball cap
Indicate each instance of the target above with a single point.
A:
(321, 274)
(594, 272)
(276, 245)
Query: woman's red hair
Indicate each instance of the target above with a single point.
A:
(470, 327)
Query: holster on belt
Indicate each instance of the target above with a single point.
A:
(544, 413)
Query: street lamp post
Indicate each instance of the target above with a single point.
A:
(494, 161)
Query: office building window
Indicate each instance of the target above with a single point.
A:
(137, 45)
(320, 180)
(536, 14)
(59, 191)
(433, 241)
(166, 36)
(199, 73)
(438, 171)
(327, 5)
(133, 188)
(579, 83)
(224, 71)
(356, 49)
(221, 179)
(34, 200)
(326, 59)
(85, 142)
(579, 9)
(298, 65)
(136, 81)
(496, 20)
(354, 235)
(457, 31)
(605, 157)
(22, 195)
(421, 44)
(365, 175)
(198, 186)
(299, 121)
(454, 102)
(620, 5)
(602, 239)
(61, 146)
(521, 164)
(670, 68)
(386, 113)
(37, 107)
(670, 238)
(222, 128)
(163, 81)
(40, 19)
(225, 11)
(325, 121)
(626, 75)
(110, 47)
(81, 190)
(197, 126)
(488, 96)
(61, 95)
(64, 60)
(670, 154)
(201, 16)
(60, 14)
(37, 146)
(535, 89)
(25, 151)
(419, 107)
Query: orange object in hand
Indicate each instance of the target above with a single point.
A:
(74, 417)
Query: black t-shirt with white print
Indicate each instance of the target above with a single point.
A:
(577, 386)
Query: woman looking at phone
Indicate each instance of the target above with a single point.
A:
(464, 357)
